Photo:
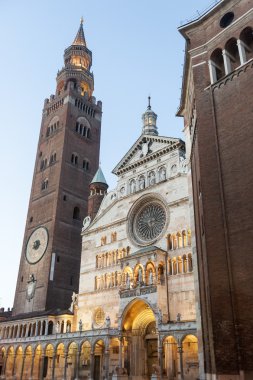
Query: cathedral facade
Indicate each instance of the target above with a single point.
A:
(134, 313)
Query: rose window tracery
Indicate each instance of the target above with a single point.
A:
(147, 221)
(150, 222)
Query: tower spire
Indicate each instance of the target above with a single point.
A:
(80, 38)
(149, 121)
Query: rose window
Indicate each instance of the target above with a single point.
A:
(147, 221)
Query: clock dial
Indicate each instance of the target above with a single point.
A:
(36, 245)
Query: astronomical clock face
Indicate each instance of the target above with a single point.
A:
(36, 245)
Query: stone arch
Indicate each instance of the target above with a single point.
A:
(17, 367)
(85, 362)
(189, 344)
(138, 273)
(161, 273)
(127, 318)
(37, 360)
(10, 352)
(127, 271)
(68, 326)
(162, 173)
(50, 327)
(71, 349)
(2, 360)
(232, 55)
(246, 37)
(170, 348)
(28, 352)
(217, 65)
(136, 320)
(150, 273)
(60, 361)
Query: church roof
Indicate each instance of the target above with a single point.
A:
(99, 177)
(80, 38)
(146, 148)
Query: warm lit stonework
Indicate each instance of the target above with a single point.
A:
(134, 315)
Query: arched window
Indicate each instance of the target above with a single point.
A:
(50, 327)
(180, 264)
(76, 213)
(44, 184)
(184, 238)
(86, 165)
(185, 269)
(174, 241)
(190, 267)
(179, 240)
(88, 133)
(174, 265)
(216, 66)
(231, 56)
(169, 242)
(169, 267)
(189, 239)
(74, 159)
(245, 44)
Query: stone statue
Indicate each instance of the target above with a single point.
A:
(140, 275)
(155, 369)
(133, 186)
(141, 183)
(152, 178)
(80, 325)
(108, 321)
(178, 317)
(182, 163)
(160, 316)
(74, 298)
(162, 174)
(150, 277)
(127, 281)
(57, 327)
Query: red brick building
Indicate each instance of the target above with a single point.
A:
(67, 159)
(217, 108)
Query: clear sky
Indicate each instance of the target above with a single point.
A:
(137, 51)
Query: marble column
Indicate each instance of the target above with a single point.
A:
(106, 361)
(120, 352)
(77, 365)
(41, 367)
(160, 356)
(32, 365)
(4, 366)
(13, 365)
(65, 366)
(22, 366)
(92, 365)
(181, 367)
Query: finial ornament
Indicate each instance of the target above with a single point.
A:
(149, 106)
(81, 20)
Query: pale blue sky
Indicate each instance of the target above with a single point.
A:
(137, 51)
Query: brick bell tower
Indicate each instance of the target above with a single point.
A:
(67, 160)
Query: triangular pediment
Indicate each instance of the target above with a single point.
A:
(146, 148)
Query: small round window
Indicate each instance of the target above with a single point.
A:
(227, 19)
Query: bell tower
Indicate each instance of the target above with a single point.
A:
(66, 161)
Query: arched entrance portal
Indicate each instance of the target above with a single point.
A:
(141, 339)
